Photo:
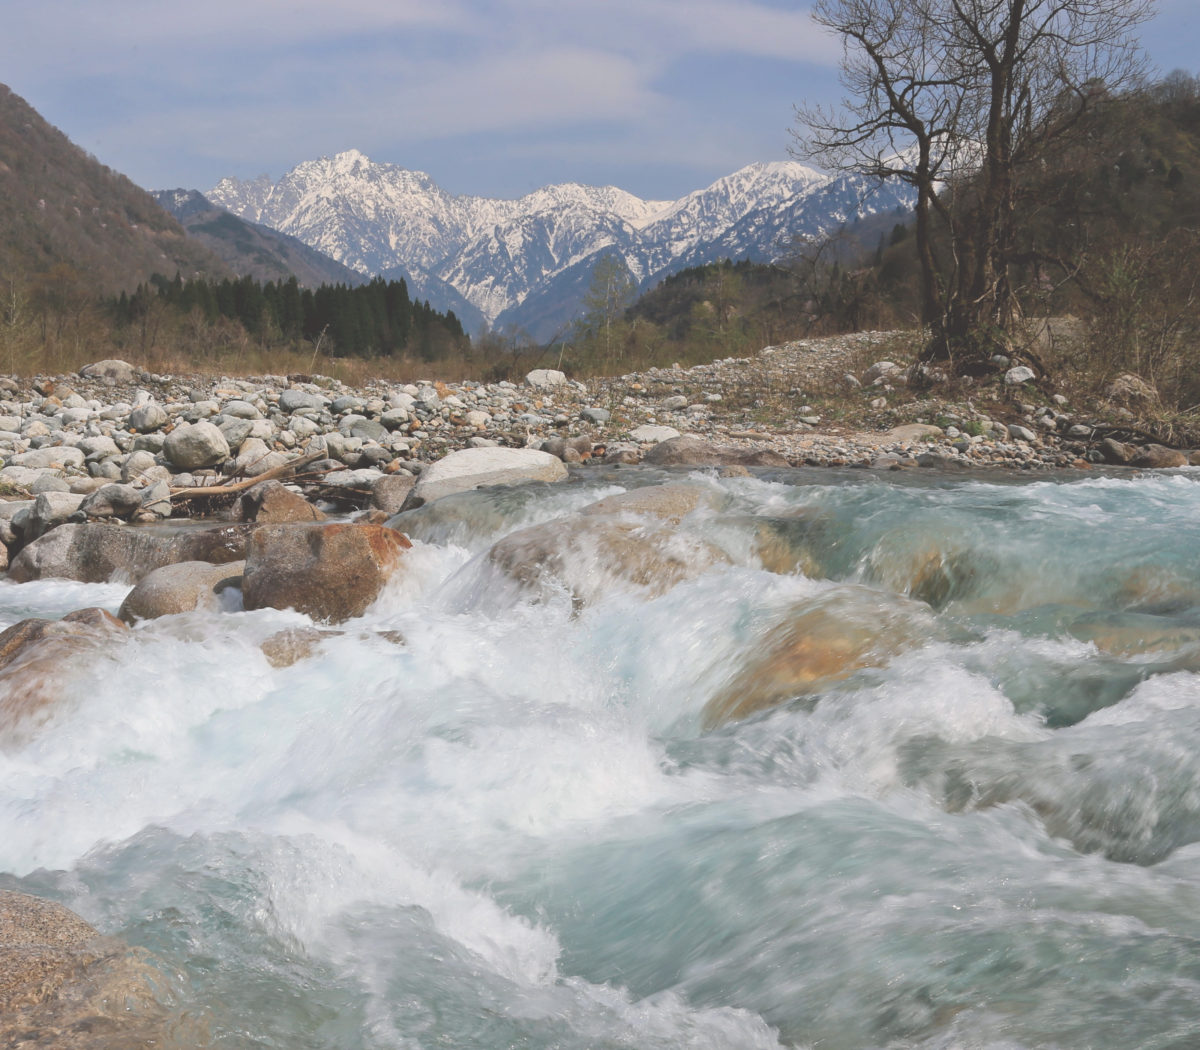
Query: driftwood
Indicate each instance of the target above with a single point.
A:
(232, 487)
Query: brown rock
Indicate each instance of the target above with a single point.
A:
(390, 491)
(822, 641)
(1116, 452)
(182, 587)
(1158, 457)
(272, 502)
(293, 644)
(64, 987)
(331, 572)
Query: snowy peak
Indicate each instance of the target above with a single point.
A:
(382, 218)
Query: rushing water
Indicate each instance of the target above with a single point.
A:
(521, 828)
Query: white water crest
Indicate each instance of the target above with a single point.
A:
(500, 812)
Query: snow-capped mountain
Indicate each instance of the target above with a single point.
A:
(495, 254)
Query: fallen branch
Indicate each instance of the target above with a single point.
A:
(232, 487)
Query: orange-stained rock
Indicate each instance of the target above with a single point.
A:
(38, 660)
(331, 572)
(819, 642)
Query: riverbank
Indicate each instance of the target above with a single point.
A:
(839, 401)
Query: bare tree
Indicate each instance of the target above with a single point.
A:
(955, 97)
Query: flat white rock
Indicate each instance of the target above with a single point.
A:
(471, 467)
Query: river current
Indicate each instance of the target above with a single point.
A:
(574, 816)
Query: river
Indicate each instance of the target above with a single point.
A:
(489, 815)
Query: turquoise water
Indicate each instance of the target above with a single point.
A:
(520, 828)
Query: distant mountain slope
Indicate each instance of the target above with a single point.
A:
(250, 249)
(60, 206)
(499, 255)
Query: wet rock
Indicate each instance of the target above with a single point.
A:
(820, 642)
(666, 502)
(64, 987)
(472, 467)
(41, 662)
(96, 553)
(294, 644)
(196, 445)
(695, 452)
(592, 555)
(182, 587)
(331, 572)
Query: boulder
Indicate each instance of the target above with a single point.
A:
(1018, 375)
(93, 552)
(545, 378)
(695, 452)
(389, 492)
(912, 432)
(1117, 452)
(272, 503)
(472, 467)
(112, 370)
(113, 501)
(593, 555)
(52, 457)
(331, 572)
(666, 502)
(879, 370)
(818, 643)
(182, 587)
(1158, 457)
(64, 987)
(148, 417)
(40, 661)
(652, 433)
(49, 510)
(255, 457)
(196, 445)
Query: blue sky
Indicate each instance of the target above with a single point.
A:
(490, 97)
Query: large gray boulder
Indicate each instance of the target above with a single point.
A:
(96, 553)
(471, 467)
(195, 446)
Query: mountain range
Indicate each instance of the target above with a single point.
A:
(525, 263)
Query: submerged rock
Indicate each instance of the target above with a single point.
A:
(594, 554)
(820, 642)
(331, 572)
(666, 502)
(39, 659)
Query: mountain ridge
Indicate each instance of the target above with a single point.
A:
(497, 253)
